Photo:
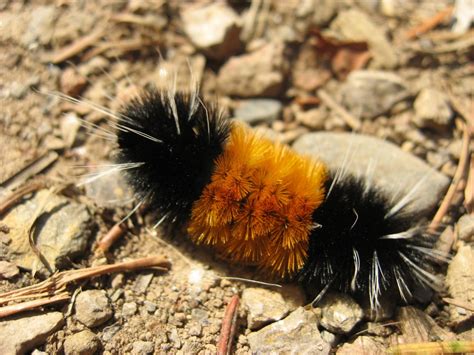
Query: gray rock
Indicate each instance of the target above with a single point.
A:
(143, 347)
(142, 282)
(129, 309)
(354, 25)
(8, 270)
(362, 345)
(460, 281)
(82, 343)
(149, 306)
(465, 228)
(213, 28)
(261, 73)
(267, 306)
(24, 333)
(370, 93)
(258, 110)
(93, 308)
(339, 313)
(296, 334)
(394, 171)
(61, 234)
(110, 190)
(432, 110)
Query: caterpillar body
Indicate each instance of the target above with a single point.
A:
(259, 203)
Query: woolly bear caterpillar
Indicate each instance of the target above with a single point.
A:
(258, 202)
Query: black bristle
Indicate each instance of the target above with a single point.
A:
(354, 219)
(176, 166)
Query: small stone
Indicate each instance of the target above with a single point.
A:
(296, 334)
(314, 118)
(174, 338)
(18, 90)
(143, 348)
(22, 334)
(69, 125)
(339, 313)
(129, 309)
(110, 190)
(41, 26)
(8, 270)
(142, 282)
(39, 352)
(465, 228)
(370, 93)
(93, 308)
(195, 329)
(150, 307)
(432, 110)
(72, 83)
(62, 231)
(329, 338)
(354, 25)
(395, 172)
(82, 343)
(117, 281)
(258, 110)
(214, 29)
(460, 282)
(266, 306)
(261, 73)
(362, 345)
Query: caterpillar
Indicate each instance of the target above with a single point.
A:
(259, 203)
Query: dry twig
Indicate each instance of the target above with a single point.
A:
(458, 303)
(224, 346)
(111, 237)
(459, 175)
(16, 196)
(430, 23)
(352, 121)
(55, 286)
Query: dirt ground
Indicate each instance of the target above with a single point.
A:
(103, 51)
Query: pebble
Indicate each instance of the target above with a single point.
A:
(8, 270)
(465, 228)
(129, 309)
(432, 110)
(394, 171)
(258, 110)
(214, 29)
(40, 27)
(82, 343)
(69, 125)
(93, 308)
(63, 231)
(460, 282)
(150, 307)
(313, 118)
(296, 334)
(142, 282)
(370, 93)
(24, 333)
(261, 73)
(354, 25)
(110, 190)
(362, 345)
(339, 313)
(267, 306)
(72, 83)
(143, 347)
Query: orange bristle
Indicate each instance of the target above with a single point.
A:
(258, 207)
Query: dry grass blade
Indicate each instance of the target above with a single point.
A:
(351, 121)
(445, 347)
(56, 284)
(458, 303)
(29, 305)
